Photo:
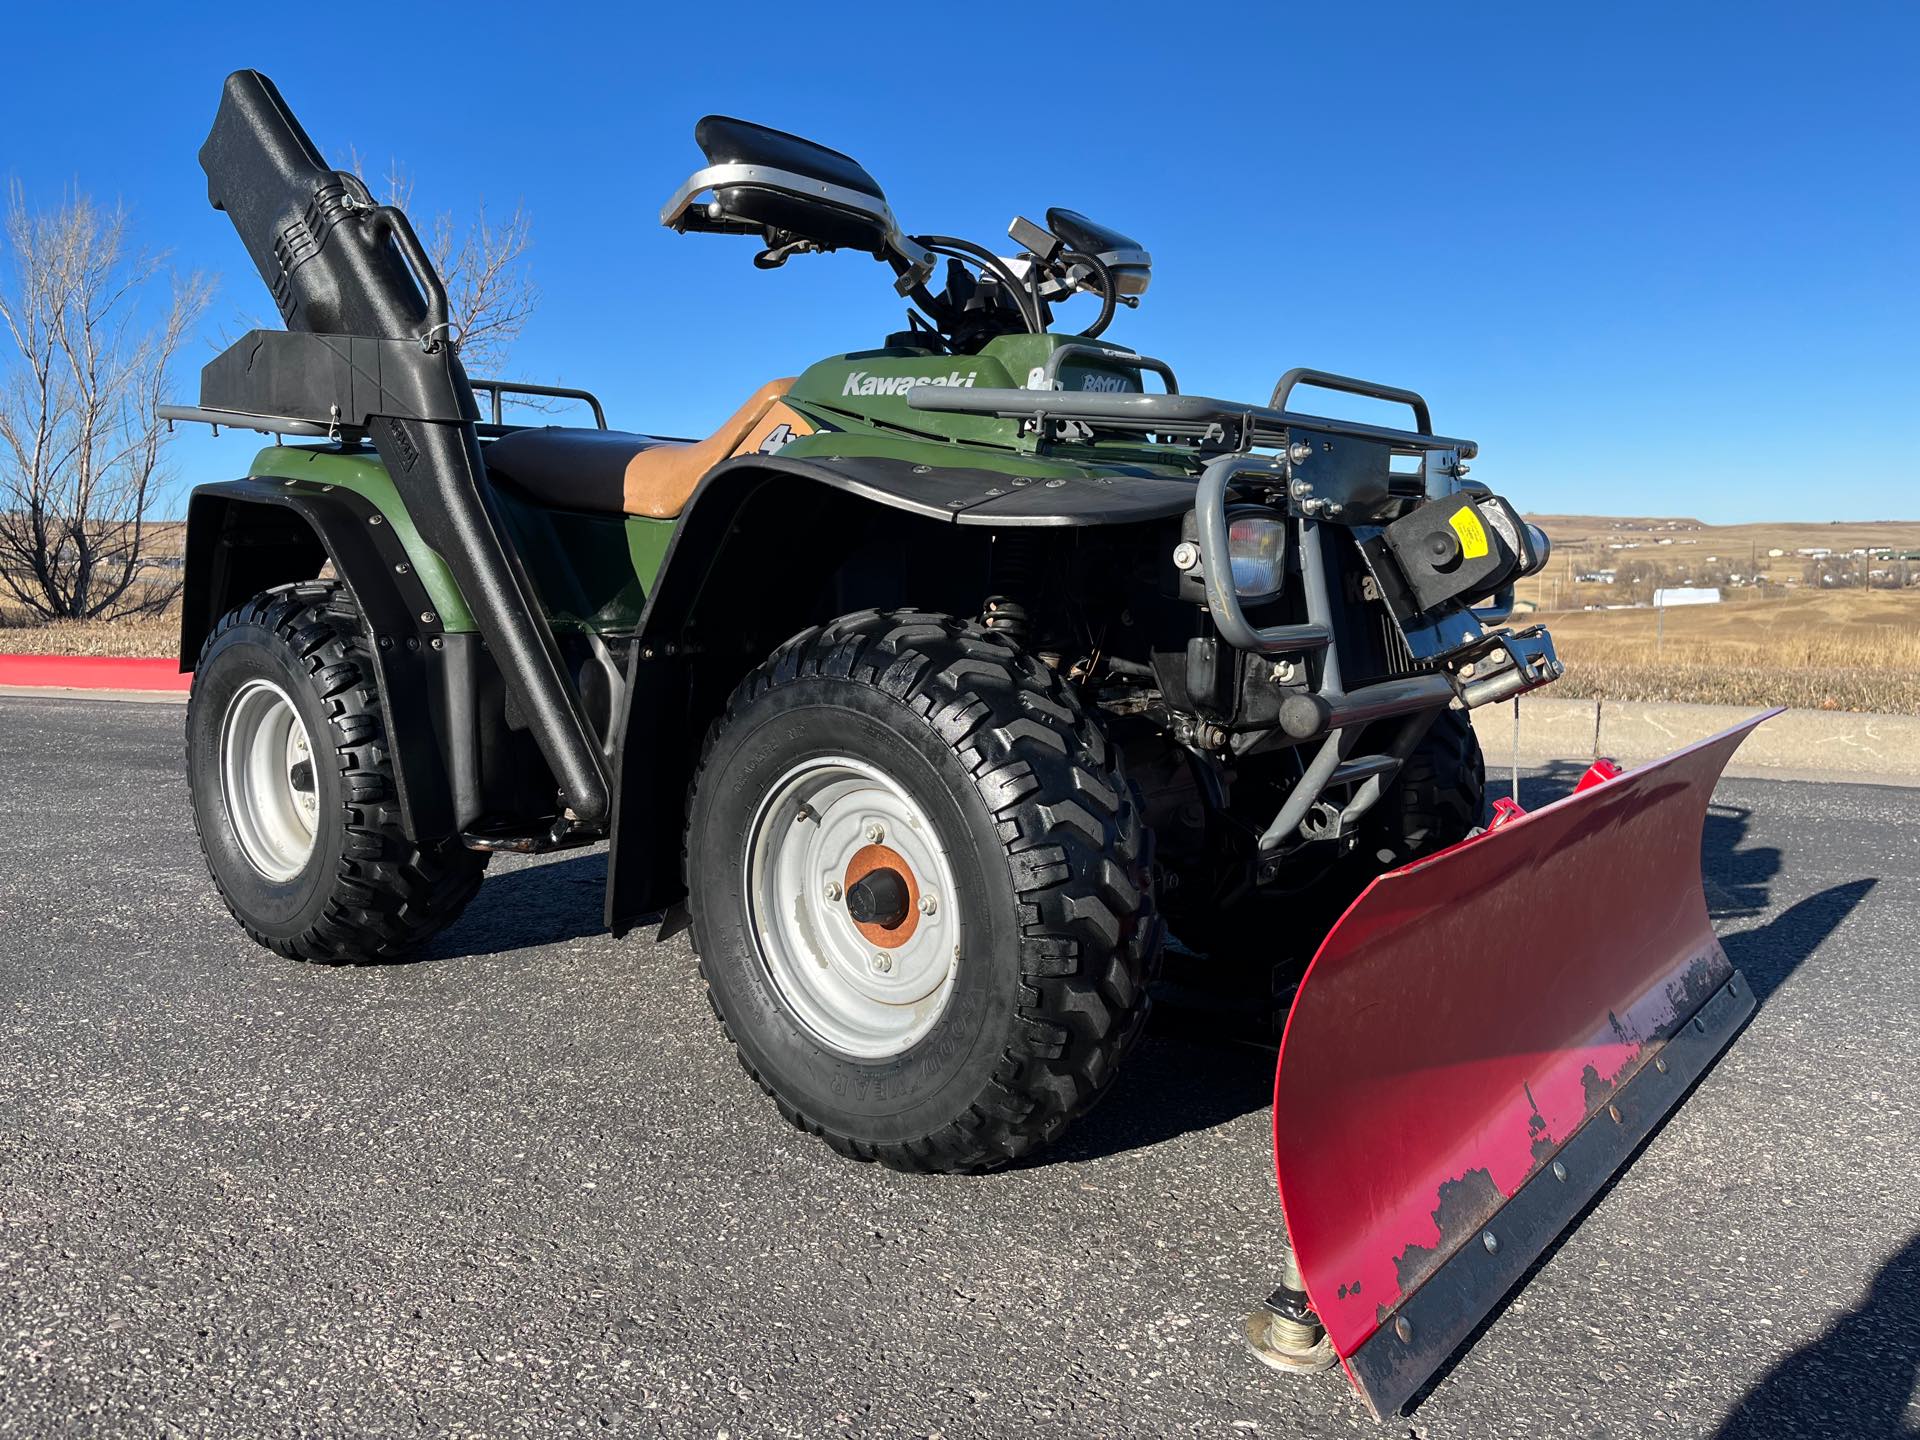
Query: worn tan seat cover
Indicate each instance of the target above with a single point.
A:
(614, 472)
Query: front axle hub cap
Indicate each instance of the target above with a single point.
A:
(838, 918)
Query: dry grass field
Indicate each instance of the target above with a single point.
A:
(147, 636)
(1780, 642)
(1828, 650)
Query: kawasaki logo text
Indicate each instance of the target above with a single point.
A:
(861, 383)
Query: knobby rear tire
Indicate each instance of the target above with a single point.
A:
(366, 893)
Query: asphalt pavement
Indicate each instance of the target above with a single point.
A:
(521, 1186)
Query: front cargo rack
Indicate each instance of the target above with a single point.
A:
(1321, 482)
(1215, 425)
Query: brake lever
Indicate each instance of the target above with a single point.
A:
(774, 256)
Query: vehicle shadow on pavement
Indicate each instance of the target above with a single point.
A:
(1767, 954)
(1857, 1378)
(1178, 1081)
(522, 904)
(1739, 877)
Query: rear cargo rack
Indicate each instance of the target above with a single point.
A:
(352, 434)
(500, 389)
(247, 420)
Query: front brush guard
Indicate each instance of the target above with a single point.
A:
(1479, 1043)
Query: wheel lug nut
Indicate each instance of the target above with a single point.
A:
(833, 890)
(882, 961)
(876, 832)
(928, 904)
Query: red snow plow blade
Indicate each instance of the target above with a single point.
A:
(1481, 1041)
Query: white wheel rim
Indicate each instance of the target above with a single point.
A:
(869, 991)
(268, 781)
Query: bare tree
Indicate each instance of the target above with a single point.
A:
(484, 264)
(80, 375)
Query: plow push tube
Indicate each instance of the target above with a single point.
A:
(1480, 1043)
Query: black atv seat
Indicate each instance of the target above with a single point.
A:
(570, 469)
(614, 472)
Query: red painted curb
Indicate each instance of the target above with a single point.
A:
(92, 672)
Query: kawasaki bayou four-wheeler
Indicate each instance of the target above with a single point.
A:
(940, 682)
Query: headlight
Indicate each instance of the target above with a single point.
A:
(1257, 546)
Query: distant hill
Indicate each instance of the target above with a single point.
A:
(1789, 535)
(1643, 551)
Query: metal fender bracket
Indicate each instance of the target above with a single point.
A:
(1509, 663)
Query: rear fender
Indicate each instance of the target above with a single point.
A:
(246, 536)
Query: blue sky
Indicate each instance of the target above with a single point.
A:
(1656, 259)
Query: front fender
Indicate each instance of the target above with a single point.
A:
(723, 565)
(955, 495)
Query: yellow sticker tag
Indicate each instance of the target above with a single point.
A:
(1473, 536)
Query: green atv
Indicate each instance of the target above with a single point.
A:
(938, 682)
